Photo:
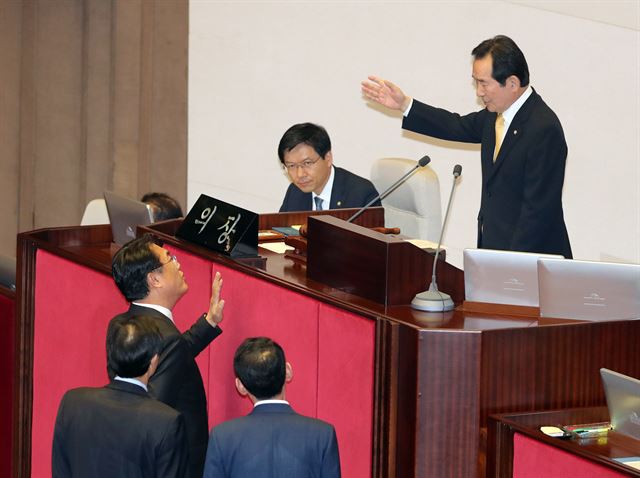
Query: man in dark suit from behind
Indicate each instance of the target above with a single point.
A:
(273, 441)
(305, 153)
(119, 430)
(149, 277)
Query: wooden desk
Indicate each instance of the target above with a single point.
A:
(435, 377)
(593, 454)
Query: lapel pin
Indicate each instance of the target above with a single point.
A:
(339, 203)
(515, 131)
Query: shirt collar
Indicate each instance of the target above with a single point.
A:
(266, 402)
(163, 310)
(133, 381)
(511, 111)
(325, 195)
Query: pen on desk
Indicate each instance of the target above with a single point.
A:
(591, 430)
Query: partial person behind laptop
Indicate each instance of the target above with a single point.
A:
(163, 206)
(119, 430)
(305, 153)
(273, 440)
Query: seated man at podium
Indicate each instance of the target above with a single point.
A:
(273, 440)
(316, 185)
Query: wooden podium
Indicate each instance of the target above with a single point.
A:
(410, 392)
(379, 267)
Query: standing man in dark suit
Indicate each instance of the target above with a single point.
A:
(273, 440)
(523, 149)
(119, 430)
(150, 278)
(305, 153)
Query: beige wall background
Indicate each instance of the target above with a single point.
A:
(257, 67)
(93, 97)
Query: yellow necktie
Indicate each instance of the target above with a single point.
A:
(499, 135)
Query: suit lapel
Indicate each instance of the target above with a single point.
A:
(337, 190)
(300, 201)
(308, 202)
(516, 131)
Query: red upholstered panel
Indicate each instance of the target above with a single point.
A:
(534, 459)
(345, 385)
(331, 351)
(7, 363)
(255, 307)
(73, 306)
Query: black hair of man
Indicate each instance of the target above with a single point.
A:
(305, 133)
(259, 363)
(507, 59)
(164, 206)
(130, 266)
(131, 344)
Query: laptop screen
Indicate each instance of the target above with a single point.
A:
(502, 277)
(124, 215)
(623, 401)
(587, 290)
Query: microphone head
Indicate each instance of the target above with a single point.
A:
(424, 161)
(457, 170)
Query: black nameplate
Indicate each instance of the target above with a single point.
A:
(222, 227)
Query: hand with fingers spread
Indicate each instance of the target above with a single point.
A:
(385, 93)
(216, 306)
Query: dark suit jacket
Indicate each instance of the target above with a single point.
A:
(521, 206)
(273, 441)
(177, 381)
(117, 430)
(349, 191)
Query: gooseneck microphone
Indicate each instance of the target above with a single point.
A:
(432, 300)
(423, 162)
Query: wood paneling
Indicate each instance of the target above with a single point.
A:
(94, 97)
(438, 376)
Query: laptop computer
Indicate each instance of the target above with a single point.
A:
(587, 290)
(623, 400)
(124, 215)
(502, 277)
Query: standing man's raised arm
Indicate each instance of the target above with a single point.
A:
(385, 93)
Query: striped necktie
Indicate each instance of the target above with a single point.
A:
(499, 135)
(318, 200)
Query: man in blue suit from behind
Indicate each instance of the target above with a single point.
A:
(273, 441)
